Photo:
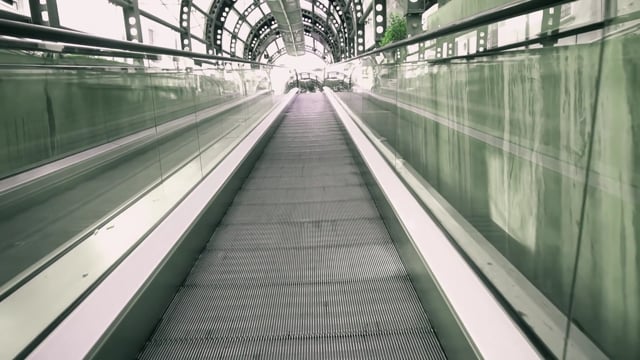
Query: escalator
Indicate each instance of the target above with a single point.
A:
(301, 265)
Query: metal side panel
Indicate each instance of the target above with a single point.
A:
(301, 266)
(470, 321)
(116, 318)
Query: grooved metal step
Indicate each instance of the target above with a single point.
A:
(318, 211)
(298, 265)
(299, 234)
(306, 170)
(301, 266)
(227, 310)
(290, 196)
(407, 344)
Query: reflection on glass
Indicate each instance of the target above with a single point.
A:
(505, 138)
(606, 299)
(85, 137)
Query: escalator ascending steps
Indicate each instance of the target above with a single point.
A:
(301, 266)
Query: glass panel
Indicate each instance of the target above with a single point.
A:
(272, 48)
(607, 285)
(159, 35)
(244, 31)
(242, 5)
(369, 32)
(168, 11)
(500, 145)
(109, 24)
(66, 118)
(256, 15)
(232, 19)
(226, 40)
(265, 8)
(239, 48)
(95, 151)
(308, 40)
(174, 99)
(198, 47)
(198, 23)
(203, 4)
(504, 139)
(306, 5)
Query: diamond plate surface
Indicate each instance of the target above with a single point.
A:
(301, 266)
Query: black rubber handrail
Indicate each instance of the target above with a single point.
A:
(46, 33)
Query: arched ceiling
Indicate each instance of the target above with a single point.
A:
(248, 29)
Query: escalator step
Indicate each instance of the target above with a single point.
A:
(291, 196)
(408, 344)
(253, 310)
(301, 266)
(299, 234)
(310, 211)
(298, 265)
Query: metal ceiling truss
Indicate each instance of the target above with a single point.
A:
(185, 25)
(340, 27)
(379, 18)
(44, 12)
(131, 14)
(266, 38)
(262, 27)
(288, 15)
(215, 24)
(332, 38)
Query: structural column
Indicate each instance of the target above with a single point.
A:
(379, 19)
(185, 25)
(44, 13)
(131, 14)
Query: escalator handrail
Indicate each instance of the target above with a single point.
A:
(45, 33)
(513, 9)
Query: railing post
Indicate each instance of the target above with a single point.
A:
(44, 13)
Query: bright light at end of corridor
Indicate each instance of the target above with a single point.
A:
(306, 62)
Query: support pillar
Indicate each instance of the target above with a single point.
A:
(379, 19)
(185, 25)
(550, 24)
(482, 39)
(44, 13)
(131, 14)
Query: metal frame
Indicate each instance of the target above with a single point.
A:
(132, 25)
(343, 27)
(272, 35)
(185, 24)
(113, 320)
(379, 19)
(44, 13)
(514, 9)
(45, 33)
(471, 322)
